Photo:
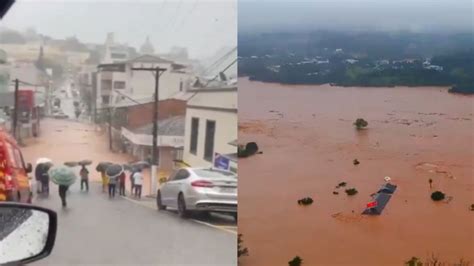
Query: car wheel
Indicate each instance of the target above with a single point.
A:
(235, 216)
(182, 212)
(159, 203)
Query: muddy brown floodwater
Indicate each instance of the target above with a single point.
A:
(309, 144)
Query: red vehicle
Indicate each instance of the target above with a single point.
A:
(14, 181)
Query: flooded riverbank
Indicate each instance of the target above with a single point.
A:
(309, 144)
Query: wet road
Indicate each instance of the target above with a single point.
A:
(97, 230)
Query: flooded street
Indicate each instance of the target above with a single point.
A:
(309, 143)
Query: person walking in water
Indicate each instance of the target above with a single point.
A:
(62, 194)
(121, 180)
(112, 184)
(84, 173)
(138, 181)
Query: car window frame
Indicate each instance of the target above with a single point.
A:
(11, 155)
(177, 177)
(19, 156)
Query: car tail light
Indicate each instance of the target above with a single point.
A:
(202, 183)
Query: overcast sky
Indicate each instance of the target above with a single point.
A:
(414, 15)
(203, 26)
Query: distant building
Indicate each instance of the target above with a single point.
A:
(147, 47)
(120, 78)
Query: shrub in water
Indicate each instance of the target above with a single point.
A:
(437, 196)
(305, 201)
(296, 261)
(356, 162)
(414, 261)
(351, 191)
(342, 184)
(360, 123)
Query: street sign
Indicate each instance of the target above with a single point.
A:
(221, 162)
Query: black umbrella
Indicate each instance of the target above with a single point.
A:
(85, 162)
(114, 170)
(70, 164)
(141, 164)
(102, 166)
(128, 167)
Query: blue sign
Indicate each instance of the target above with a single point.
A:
(221, 162)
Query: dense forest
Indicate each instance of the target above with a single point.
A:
(360, 59)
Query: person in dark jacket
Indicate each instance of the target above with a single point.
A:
(45, 178)
(38, 173)
(84, 173)
(62, 194)
(121, 180)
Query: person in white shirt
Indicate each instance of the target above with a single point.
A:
(138, 181)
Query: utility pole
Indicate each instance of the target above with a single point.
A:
(15, 110)
(109, 116)
(154, 159)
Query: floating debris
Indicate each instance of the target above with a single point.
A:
(305, 201)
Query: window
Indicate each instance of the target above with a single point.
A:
(194, 135)
(105, 99)
(209, 141)
(119, 84)
(181, 174)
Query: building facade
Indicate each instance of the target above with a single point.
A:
(211, 127)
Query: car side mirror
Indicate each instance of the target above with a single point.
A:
(27, 233)
(29, 168)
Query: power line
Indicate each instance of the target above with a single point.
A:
(225, 69)
(219, 60)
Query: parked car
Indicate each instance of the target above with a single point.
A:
(15, 184)
(199, 190)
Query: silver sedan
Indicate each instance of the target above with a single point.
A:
(199, 190)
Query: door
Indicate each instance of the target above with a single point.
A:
(174, 186)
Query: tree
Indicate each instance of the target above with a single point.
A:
(296, 261)
(241, 251)
(11, 36)
(360, 123)
(414, 261)
(431, 182)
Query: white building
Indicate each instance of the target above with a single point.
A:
(211, 127)
(115, 80)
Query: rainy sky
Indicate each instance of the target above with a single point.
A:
(203, 26)
(384, 15)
